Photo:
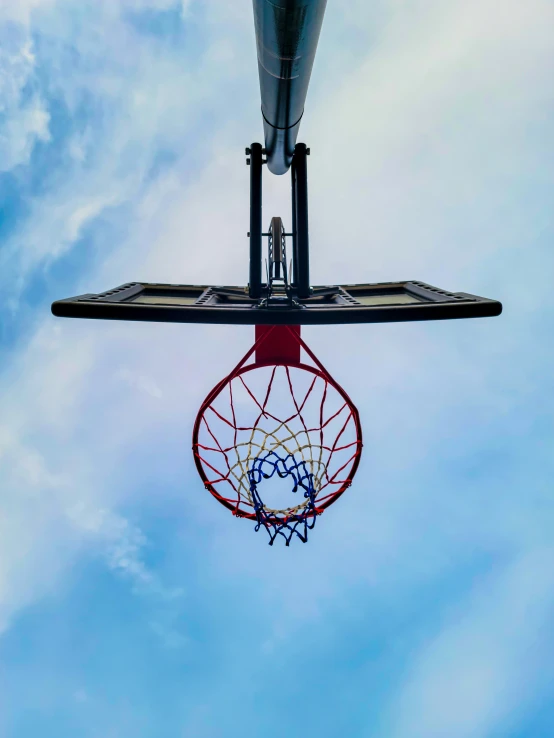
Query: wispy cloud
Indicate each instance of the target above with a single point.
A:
(24, 118)
(483, 667)
(135, 119)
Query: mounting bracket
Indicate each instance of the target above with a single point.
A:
(300, 233)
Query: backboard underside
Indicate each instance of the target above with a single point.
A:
(385, 302)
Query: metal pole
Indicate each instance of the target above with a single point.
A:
(287, 33)
(299, 163)
(294, 276)
(255, 284)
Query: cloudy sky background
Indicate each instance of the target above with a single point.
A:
(131, 604)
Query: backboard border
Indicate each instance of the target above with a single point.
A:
(440, 305)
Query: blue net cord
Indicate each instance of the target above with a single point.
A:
(295, 523)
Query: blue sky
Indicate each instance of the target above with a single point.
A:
(131, 603)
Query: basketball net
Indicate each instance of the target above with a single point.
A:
(278, 419)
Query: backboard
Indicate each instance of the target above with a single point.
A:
(386, 302)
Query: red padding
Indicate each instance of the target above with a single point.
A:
(280, 344)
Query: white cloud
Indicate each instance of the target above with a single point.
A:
(134, 118)
(20, 11)
(83, 214)
(434, 148)
(140, 382)
(25, 127)
(55, 500)
(484, 665)
(123, 546)
(25, 117)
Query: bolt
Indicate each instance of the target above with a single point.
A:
(248, 162)
(308, 152)
(264, 151)
(247, 151)
(248, 234)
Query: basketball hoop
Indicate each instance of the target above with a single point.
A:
(283, 420)
(276, 420)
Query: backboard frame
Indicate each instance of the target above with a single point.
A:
(328, 305)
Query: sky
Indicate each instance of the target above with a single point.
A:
(132, 605)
